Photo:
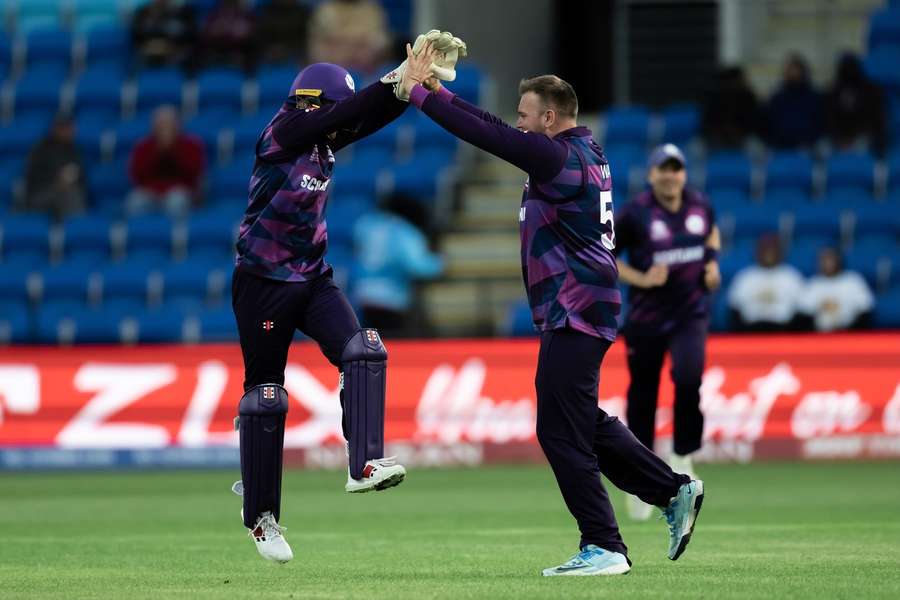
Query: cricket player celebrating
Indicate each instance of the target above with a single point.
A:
(566, 225)
(282, 283)
(672, 241)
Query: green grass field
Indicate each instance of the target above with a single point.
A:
(766, 531)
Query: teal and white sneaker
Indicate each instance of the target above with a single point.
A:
(681, 515)
(592, 561)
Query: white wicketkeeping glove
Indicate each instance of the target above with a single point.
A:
(450, 49)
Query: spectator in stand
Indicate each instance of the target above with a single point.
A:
(795, 111)
(766, 296)
(54, 174)
(837, 299)
(282, 31)
(163, 33)
(730, 113)
(228, 36)
(392, 253)
(166, 168)
(352, 33)
(855, 109)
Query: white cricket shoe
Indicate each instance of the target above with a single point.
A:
(378, 474)
(638, 510)
(269, 540)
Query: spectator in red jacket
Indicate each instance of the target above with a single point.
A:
(166, 168)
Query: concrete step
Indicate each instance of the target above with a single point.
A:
(481, 254)
(467, 307)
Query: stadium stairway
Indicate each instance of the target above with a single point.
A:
(483, 279)
(823, 28)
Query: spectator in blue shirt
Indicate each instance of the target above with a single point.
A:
(392, 253)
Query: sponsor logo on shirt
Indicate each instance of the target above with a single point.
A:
(659, 230)
(678, 256)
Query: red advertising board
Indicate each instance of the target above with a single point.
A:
(813, 396)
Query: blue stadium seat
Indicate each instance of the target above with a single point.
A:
(820, 222)
(519, 321)
(622, 163)
(91, 127)
(14, 281)
(720, 312)
(789, 171)
(38, 90)
(681, 123)
(160, 86)
(17, 138)
(164, 324)
(67, 281)
(207, 125)
(126, 280)
(106, 44)
(753, 220)
(220, 88)
(735, 257)
(787, 200)
(884, 28)
(274, 84)
(25, 234)
(362, 179)
(881, 66)
(247, 129)
(99, 89)
(187, 279)
(468, 83)
(15, 322)
(87, 235)
(149, 235)
(343, 212)
(804, 254)
(726, 199)
(231, 180)
(428, 135)
(11, 170)
(385, 140)
(108, 185)
(94, 15)
(728, 171)
(893, 165)
(887, 310)
(218, 325)
(871, 261)
(851, 172)
(48, 46)
(212, 232)
(74, 322)
(840, 200)
(421, 176)
(627, 125)
(129, 133)
(33, 15)
(876, 219)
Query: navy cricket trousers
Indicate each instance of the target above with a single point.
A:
(581, 442)
(686, 344)
(268, 312)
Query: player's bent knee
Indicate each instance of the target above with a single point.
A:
(264, 400)
(365, 345)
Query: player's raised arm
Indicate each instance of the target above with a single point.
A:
(535, 153)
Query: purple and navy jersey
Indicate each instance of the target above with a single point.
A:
(651, 235)
(567, 241)
(283, 234)
(565, 217)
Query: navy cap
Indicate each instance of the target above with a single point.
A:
(324, 80)
(664, 153)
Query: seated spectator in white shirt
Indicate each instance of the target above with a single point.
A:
(766, 296)
(836, 299)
